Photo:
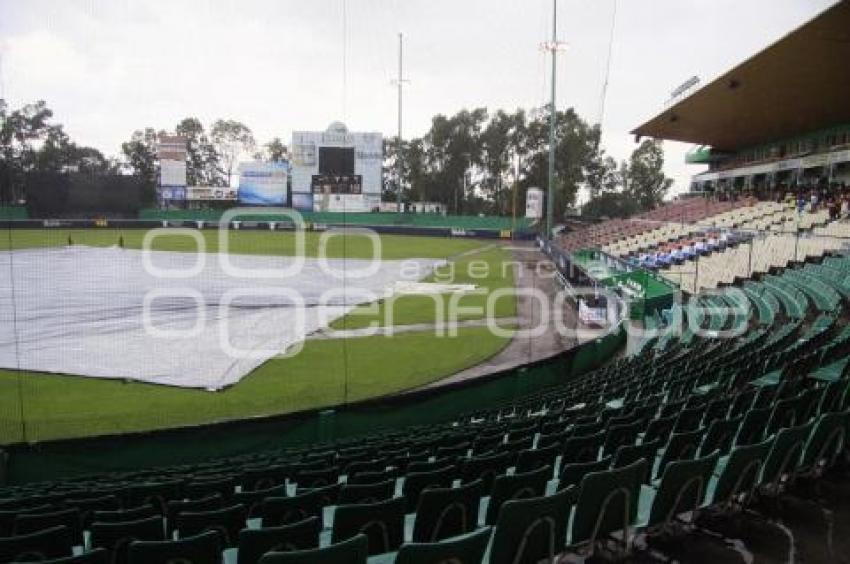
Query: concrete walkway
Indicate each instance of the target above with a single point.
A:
(533, 270)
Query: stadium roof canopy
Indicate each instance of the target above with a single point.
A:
(799, 84)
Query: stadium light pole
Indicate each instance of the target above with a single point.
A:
(399, 81)
(553, 46)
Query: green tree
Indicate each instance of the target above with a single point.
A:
(140, 155)
(202, 163)
(276, 151)
(644, 178)
(20, 131)
(231, 139)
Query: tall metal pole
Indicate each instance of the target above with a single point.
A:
(550, 204)
(398, 149)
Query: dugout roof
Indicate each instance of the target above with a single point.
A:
(798, 84)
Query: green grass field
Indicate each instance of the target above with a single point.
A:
(326, 372)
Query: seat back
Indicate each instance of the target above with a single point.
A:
(116, 537)
(55, 542)
(447, 512)
(516, 486)
(485, 468)
(382, 523)
(607, 502)
(253, 543)
(96, 556)
(366, 493)
(464, 549)
(350, 551)
(573, 474)
(825, 442)
(227, 522)
(681, 446)
(201, 549)
(783, 460)
(27, 523)
(531, 530)
(278, 511)
(175, 508)
(682, 488)
(415, 482)
(740, 475)
(720, 436)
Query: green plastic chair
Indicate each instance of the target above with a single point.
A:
(116, 537)
(415, 482)
(351, 551)
(447, 512)
(54, 542)
(485, 468)
(464, 549)
(783, 460)
(97, 556)
(824, 444)
(681, 446)
(516, 486)
(607, 502)
(366, 493)
(720, 436)
(27, 523)
(227, 522)
(573, 474)
(201, 549)
(531, 530)
(738, 476)
(382, 523)
(681, 490)
(253, 543)
(629, 454)
(277, 511)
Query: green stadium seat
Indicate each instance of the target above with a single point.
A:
(226, 522)
(116, 537)
(447, 512)
(737, 476)
(463, 549)
(366, 493)
(382, 523)
(681, 490)
(607, 503)
(55, 542)
(532, 529)
(515, 486)
(253, 543)
(783, 460)
(204, 548)
(96, 556)
(350, 551)
(573, 474)
(28, 523)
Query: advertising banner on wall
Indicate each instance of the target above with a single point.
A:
(302, 202)
(263, 184)
(210, 193)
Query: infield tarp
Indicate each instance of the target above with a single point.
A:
(100, 312)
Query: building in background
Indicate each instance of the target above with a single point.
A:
(780, 120)
(263, 183)
(171, 151)
(336, 170)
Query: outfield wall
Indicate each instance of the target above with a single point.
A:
(59, 459)
(261, 223)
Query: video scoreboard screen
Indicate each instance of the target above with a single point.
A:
(337, 184)
(336, 160)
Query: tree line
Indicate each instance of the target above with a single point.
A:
(473, 161)
(481, 162)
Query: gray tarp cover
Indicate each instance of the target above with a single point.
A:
(89, 311)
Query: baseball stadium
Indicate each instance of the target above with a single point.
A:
(349, 353)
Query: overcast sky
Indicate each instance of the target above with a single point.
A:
(108, 67)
